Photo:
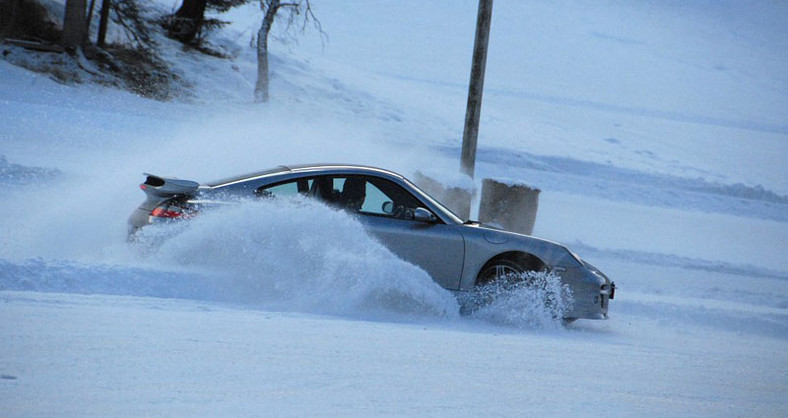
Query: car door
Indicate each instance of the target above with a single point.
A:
(388, 213)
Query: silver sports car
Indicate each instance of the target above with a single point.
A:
(459, 255)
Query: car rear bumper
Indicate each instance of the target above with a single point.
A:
(138, 219)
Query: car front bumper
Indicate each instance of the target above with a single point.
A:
(592, 292)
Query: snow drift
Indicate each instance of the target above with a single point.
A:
(299, 255)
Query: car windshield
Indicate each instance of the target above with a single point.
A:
(424, 195)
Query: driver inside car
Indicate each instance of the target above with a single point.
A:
(353, 194)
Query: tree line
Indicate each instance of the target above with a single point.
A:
(185, 25)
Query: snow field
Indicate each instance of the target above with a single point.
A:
(655, 130)
(180, 358)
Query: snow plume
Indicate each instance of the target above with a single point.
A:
(299, 255)
(536, 300)
(19, 175)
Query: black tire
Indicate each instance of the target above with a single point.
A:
(498, 270)
(502, 275)
(494, 277)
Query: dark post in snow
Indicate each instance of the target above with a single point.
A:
(74, 29)
(476, 87)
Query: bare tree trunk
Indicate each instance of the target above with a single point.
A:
(261, 87)
(8, 12)
(89, 18)
(74, 24)
(102, 30)
(187, 20)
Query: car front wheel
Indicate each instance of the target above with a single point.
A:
(497, 277)
(501, 272)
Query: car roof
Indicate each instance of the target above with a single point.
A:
(306, 168)
(340, 167)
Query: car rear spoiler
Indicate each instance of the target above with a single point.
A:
(163, 187)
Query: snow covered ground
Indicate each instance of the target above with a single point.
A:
(655, 129)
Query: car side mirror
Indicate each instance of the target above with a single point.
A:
(423, 215)
(388, 207)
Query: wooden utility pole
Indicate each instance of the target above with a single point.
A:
(476, 87)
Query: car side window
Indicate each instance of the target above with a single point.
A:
(375, 201)
(369, 196)
(392, 200)
(364, 195)
(289, 188)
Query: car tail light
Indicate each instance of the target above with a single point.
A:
(171, 212)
